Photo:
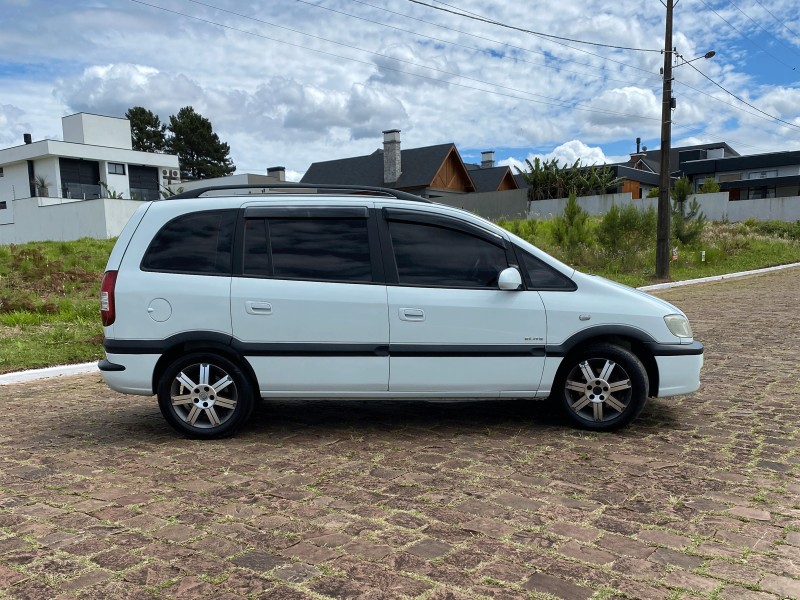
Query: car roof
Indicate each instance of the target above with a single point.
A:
(282, 189)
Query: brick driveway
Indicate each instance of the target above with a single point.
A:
(700, 498)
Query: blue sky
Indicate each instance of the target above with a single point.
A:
(290, 82)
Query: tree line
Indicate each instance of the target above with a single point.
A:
(201, 154)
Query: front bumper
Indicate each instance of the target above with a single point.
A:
(679, 373)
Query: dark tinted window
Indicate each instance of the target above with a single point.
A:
(320, 249)
(193, 243)
(538, 276)
(430, 255)
(257, 259)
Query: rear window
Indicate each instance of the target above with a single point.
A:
(320, 249)
(198, 242)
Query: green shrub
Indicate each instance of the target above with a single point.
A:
(710, 186)
(571, 229)
(687, 222)
(627, 230)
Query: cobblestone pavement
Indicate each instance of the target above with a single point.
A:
(699, 498)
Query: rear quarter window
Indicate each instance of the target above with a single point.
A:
(195, 243)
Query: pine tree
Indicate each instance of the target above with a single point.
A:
(199, 149)
(148, 133)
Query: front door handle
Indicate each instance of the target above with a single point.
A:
(253, 307)
(412, 314)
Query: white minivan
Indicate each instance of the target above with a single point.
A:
(220, 295)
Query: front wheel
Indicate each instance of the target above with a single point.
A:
(204, 396)
(603, 387)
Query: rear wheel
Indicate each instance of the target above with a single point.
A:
(205, 396)
(603, 387)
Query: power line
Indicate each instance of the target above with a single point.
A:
(762, 27)
(785, 26)
(557, 103)
(732, 105)
(453, 29)
(768, 117)
(474, 48)
(742, 100)
(477, 17)
(560, 103)
(744, 35)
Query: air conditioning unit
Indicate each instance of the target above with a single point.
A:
(174, 173)
(164, 172)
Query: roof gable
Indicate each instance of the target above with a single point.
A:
(437, 166)
(493, 179)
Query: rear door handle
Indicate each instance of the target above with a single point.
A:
(412, 314)
(253, 307)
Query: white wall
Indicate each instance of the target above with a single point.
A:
(97, 130)
(716, 206)
(13, 184)
(513, 204)
(100, 219)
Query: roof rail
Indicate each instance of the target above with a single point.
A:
(307, 188)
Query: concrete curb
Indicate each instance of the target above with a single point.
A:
(673, 284)
(48, 372)
(85, 368)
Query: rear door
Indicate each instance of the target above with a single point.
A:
(453, 331)
(308, 303)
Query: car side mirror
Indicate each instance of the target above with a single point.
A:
(509, 279)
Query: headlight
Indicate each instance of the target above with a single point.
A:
(679, 326)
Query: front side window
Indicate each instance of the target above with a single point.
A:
(320, 249)
(430, 255)
(116, 168)
(194, 243)
(539, 276)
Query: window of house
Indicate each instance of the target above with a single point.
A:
(320, 249)
(763, 174)
(761, 192)
(437, 256)
(116, 169)
(730, 177)
(193, 243)
(3, 205)
(1, 171)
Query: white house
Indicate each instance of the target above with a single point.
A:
(85, 186)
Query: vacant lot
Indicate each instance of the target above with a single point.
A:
(700, 498)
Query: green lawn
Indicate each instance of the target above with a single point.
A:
(49, 309)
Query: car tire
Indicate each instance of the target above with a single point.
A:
(602, 387)
(205, 396)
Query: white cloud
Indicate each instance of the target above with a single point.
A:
(566, 154)
(283, 98)
(12, 127)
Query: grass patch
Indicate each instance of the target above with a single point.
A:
(728, 247)
(49, 311)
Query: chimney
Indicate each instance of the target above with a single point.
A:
(278, 172)
(487, 159)
(27, 137)
(391, 156)
(641, 152)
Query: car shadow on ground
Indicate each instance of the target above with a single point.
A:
(513, 414)
(142, 420)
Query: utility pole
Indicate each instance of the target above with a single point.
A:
(663, 254)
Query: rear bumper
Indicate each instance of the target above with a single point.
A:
(129, 373)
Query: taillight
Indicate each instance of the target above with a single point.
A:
(107, 311)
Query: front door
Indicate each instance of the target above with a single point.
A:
(452, 331)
